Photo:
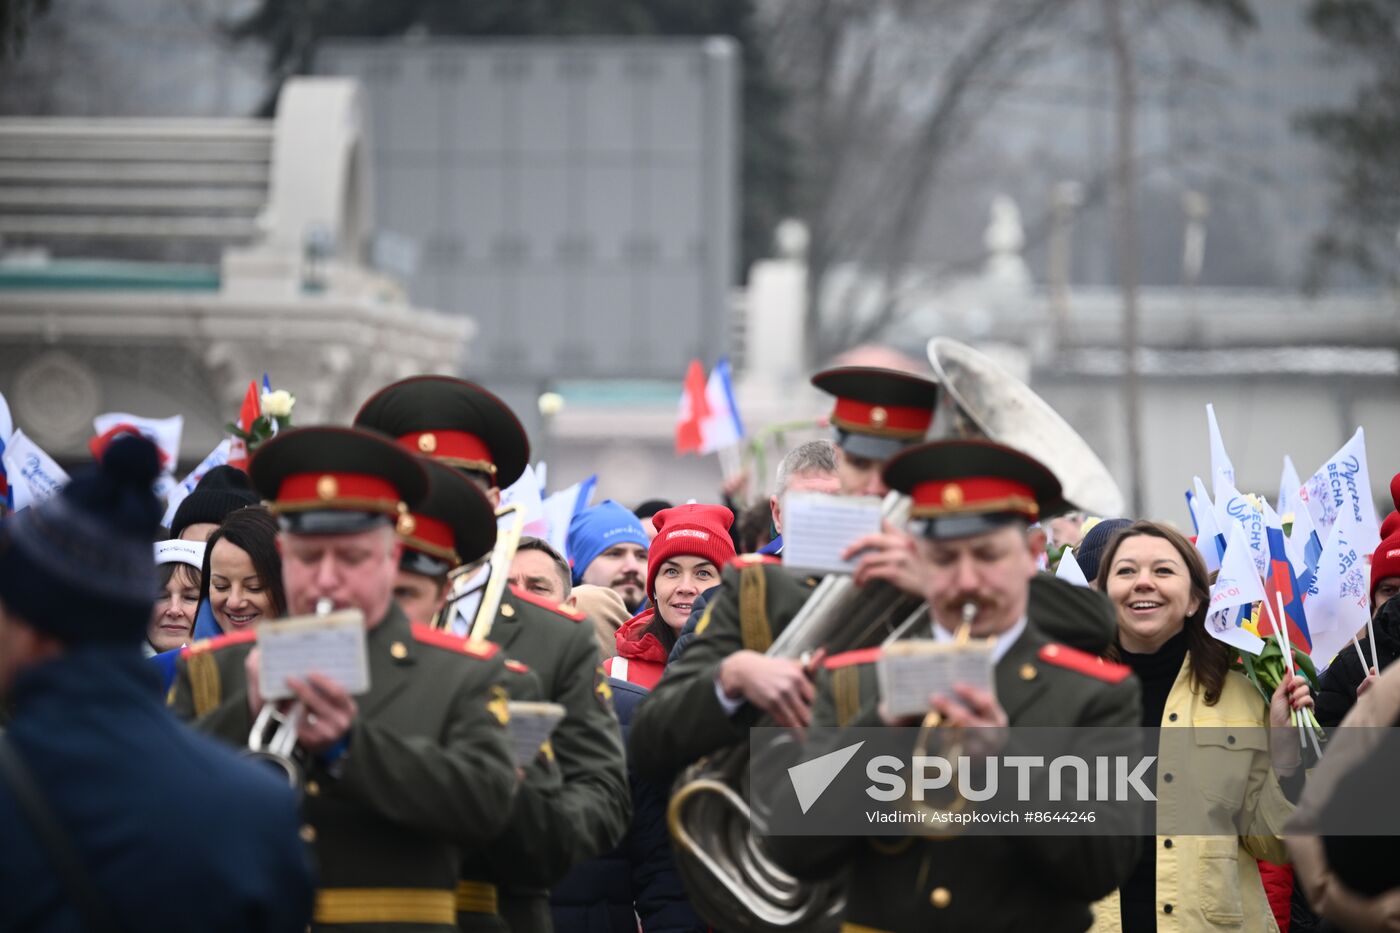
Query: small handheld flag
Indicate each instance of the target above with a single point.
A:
(250, 412)
(693, 412)
(1236, 589)
(1222, 471)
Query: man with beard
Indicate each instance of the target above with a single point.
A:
(608, 547)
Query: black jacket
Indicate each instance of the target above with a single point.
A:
(600, 895)
(1336, 694)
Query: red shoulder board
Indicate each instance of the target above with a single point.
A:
(563, 609)
(850, 658)
(222, 641)
(438, 638)
(515, 667)
(1081, 662)
(748, 560)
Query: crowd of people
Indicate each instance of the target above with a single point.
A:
(131, 689)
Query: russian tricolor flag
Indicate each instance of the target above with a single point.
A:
(708, 420)
(1282, 581)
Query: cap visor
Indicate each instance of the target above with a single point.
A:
(330, 522)
(871, 447)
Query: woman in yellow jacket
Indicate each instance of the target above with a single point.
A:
(1221, 777)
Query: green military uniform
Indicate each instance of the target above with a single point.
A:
(1074, 616)
(682, 720)
(554, 825)
(985, 882)
(876, 414)
(426, 766)
(971, 491)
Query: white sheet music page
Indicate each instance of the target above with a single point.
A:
(818, 528)
(530, 727)
(332, 645)
(910, 671)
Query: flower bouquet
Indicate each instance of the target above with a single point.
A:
(1266, 671)
(275, 414)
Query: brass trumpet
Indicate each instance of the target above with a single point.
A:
(273, 738)
(499, 561)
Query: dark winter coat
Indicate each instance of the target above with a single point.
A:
(601, 895)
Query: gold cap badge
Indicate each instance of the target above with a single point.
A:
(878, 416)
(327, 488)
(953, 495)
(427, 442)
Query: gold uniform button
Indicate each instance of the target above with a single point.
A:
(399, 650)
(1028, 672)
(940, 898)
(507, 610)
(313, 789)
(308, 834)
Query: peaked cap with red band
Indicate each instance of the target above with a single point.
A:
(961, 488)
(879, 412)
(452, 420)
(453, 525)
(325, 480)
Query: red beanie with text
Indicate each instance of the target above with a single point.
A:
(690, 531)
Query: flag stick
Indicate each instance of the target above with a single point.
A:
(730, 462)
(1359, 656)
(1281, 632)
(1371, 637)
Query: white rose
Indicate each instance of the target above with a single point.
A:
(278, 404)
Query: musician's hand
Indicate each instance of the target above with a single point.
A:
(892, 556)
(327, 712)
(252, 667)
(976, 711)
(778, 686)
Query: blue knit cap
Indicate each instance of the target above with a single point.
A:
(598, 528)
(80, 566)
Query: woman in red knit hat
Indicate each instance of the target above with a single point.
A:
(691, 547)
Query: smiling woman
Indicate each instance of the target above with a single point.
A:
(691, 546)
(1159, 588)
(242, 570)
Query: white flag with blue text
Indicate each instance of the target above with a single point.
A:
(1344, 483)
(1236, 585)
(33, 475)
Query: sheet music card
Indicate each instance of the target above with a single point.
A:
(331, 645)
(818, 528)
(531, 724)
(910, 671)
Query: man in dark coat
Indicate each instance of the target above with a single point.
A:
(170, 830)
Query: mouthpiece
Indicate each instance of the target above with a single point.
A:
(969, 612)
(324, 607)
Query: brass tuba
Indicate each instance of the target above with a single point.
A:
(731, 881)
(979, 398)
